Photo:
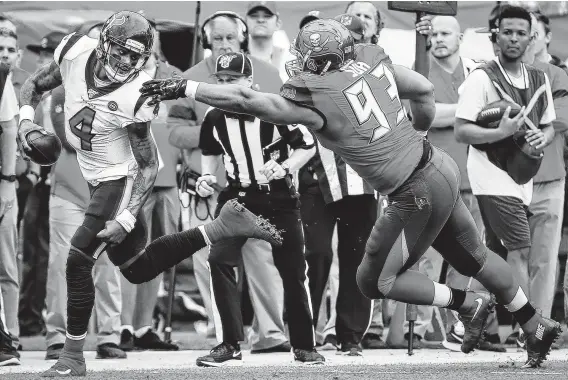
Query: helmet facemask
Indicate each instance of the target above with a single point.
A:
(116, 70)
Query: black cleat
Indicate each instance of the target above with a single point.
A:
(474, 321)
(308, 357)
(151, 341)
(109, 351)
(538, 345)
(222, 355)
(235, 220)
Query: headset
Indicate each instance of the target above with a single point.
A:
(242, 25)
(380, 22)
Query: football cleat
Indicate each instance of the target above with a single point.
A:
(474, 321)
(539, 343)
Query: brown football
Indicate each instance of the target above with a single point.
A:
(44, 148)
(491, 114)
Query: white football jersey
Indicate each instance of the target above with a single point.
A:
(96, 116)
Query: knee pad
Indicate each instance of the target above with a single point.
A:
(368, 283)
(475, 264)
(79, 265)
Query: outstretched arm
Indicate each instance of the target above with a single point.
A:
(234, 98)
(420, 92)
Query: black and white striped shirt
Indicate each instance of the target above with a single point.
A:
(240, 139)
(336, 178)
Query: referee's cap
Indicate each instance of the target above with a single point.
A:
(237, 64)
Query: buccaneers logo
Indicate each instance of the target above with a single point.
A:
(316, 43)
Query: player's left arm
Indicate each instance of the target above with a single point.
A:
(146, 155)
(272, 108)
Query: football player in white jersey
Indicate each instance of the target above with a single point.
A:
(108, 125)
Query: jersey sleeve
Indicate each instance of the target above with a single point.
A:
(207, 142)
(144, 113)
(295, 89)
(64, 46)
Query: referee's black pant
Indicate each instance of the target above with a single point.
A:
(355, 217)
(283, 210)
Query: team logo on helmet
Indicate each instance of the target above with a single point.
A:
(225, 60)
(114, 20)
(317, 44)
(44, 43)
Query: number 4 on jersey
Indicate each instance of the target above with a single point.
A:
(364, 103)
(81, 126)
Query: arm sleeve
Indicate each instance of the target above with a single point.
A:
(473, 95)
(549, 113)
(208, 144)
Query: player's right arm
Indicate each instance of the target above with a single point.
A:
(45, 78)
(272, 108)
(420, 92)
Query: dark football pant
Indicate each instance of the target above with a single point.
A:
(107, 200)
(425, 211)
(283, 211)
(355, 216)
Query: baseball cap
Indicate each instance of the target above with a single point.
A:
(234, 64)
(270, 6)
(311, 16)
(48, 43)
(354, 24)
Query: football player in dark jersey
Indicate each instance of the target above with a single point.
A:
(351, 100)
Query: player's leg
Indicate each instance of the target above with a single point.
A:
(106, 200)
(234, 221)
(416, 214)
(461, 246)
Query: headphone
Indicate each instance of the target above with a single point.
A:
(242, 26)
(380, 22)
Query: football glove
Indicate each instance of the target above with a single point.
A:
(163, 89)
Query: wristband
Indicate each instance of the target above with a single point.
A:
(191, 88)
(27, 113)
(126, 220)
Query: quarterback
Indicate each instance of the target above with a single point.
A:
(350, 97)
(108, 125)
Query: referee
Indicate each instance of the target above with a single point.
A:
(259, 178)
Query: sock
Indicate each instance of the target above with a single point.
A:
(152, 261)
(127, 327)
(80, 294)
(447, 297)
(141, 331)
(73, 347)
(520, 307)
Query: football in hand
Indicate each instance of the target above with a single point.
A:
(490, 116)
(44, 148)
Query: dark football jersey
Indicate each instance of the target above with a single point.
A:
(365, 122)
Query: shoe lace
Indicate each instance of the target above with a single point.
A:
(221, 348)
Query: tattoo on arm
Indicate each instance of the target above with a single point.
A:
(146, 155)
(44, 79)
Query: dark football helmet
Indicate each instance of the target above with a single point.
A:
(321, 46)
(131, 31)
